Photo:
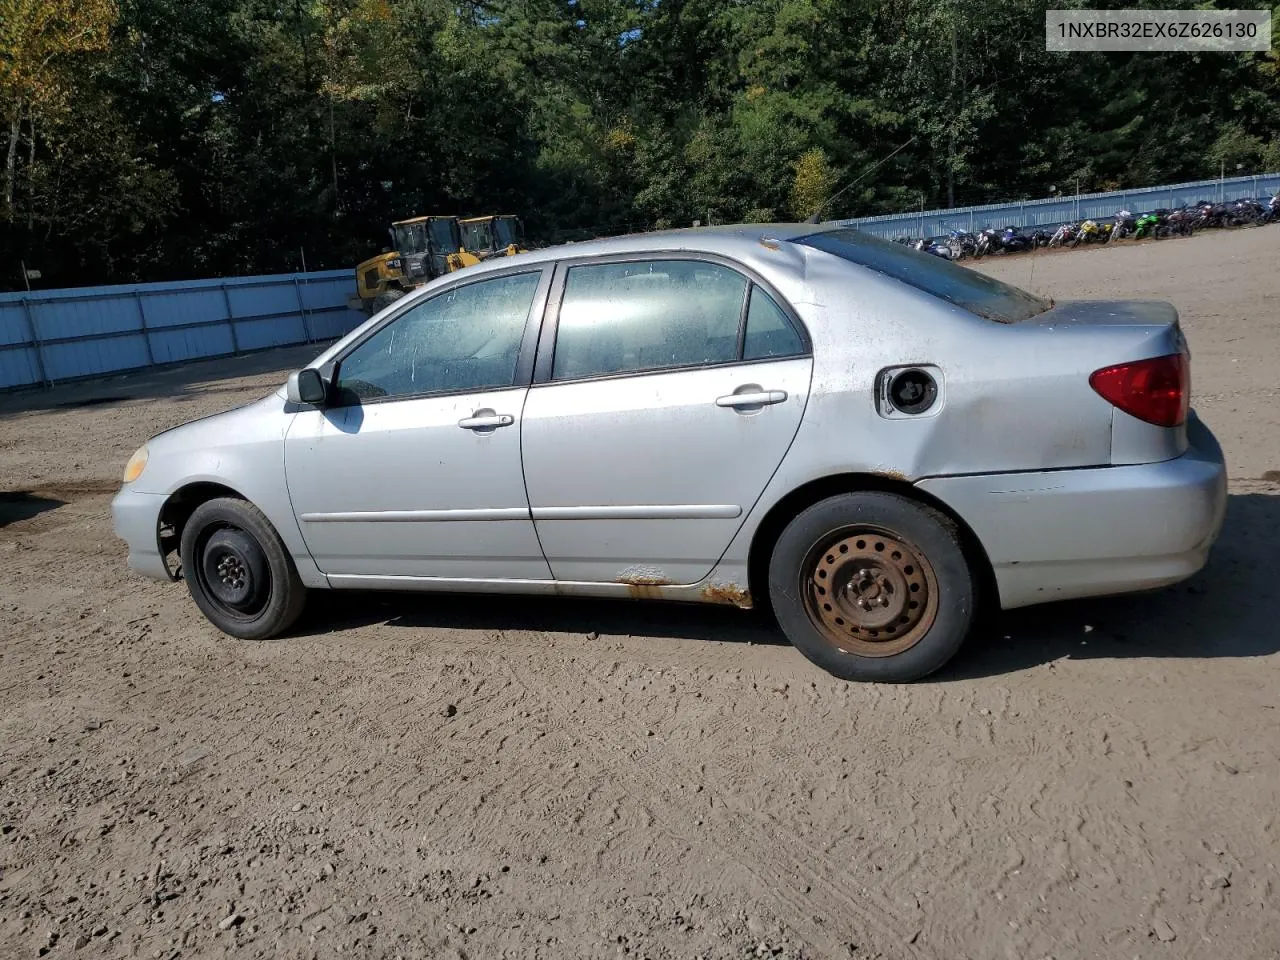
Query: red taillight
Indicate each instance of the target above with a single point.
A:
(1156, 390)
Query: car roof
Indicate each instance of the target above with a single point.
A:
(725, 240)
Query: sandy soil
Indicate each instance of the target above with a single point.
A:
(515, 778)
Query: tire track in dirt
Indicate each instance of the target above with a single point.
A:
(773, 865)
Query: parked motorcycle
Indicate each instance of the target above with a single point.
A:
(963, 244)
(934, 247)
(1063, 236)
(1246, 212)
(1012, 241)
(1178, 223)
(988, 242)
(1148, 225)
(1210, 214)
(1124, 225)
(1090, 232)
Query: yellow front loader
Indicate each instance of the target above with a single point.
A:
(493, 236)
(424, 248)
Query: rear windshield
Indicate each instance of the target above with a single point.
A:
(967, 289)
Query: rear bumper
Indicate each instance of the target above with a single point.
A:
(1088, 532)
(136, 518)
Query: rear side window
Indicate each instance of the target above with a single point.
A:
(623, 317)
(976, 292)
(664, 314)
(769, 332)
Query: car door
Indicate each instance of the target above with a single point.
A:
(666, 394)
(413, 467)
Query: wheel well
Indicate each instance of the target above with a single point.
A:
(803, 497)
(177, 511)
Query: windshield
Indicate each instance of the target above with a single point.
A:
(506, 231)
(411, 238)
(976, 292)
(444, 234)
(475, 236)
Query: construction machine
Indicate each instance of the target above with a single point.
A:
(423, 248)
(493, 236)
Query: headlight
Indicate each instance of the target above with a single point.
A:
(137, 463)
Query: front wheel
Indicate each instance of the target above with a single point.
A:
(873, 586)
(238, 571)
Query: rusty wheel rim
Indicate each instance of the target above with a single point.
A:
(869, 592)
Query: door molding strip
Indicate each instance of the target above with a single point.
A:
(678, 511)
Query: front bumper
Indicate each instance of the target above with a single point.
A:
(1054, 535)
(136, 519)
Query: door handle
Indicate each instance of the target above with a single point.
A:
(486, 421)
(760, 399)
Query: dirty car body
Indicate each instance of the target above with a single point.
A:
(646, 417)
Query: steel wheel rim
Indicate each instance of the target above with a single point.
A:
(227, 576)
(868, 591)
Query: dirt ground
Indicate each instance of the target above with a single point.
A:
(441, 777)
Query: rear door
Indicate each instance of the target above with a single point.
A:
(666, 393)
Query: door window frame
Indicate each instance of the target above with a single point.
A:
(544, 362)
(524, 359)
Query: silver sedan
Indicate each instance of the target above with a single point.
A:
(871, 442)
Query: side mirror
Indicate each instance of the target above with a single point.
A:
(307, 386)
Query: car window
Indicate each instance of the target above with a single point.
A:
(976, 292)
(466, 339)
(650, 315)
(769, 332)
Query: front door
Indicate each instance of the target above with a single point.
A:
(675, 389)
(413, 469)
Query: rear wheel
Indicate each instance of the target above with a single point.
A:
(238, 571)
(873, 586)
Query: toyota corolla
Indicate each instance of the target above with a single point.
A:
(872, 442)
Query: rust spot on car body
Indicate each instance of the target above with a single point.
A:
(892, 474)
(645, 591)
(729, 593)
(644, 583)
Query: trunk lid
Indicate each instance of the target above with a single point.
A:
(1108, 313)
(1122, 332)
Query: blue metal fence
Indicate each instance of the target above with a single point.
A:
(53, 335)
(47, 336)
(1056, 210)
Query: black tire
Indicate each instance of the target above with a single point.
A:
(386, 299)
(238, 571)
(805, 551)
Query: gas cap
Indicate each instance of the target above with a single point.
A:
(910, 391)
(913, 391)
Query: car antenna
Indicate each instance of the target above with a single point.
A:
(816, 216)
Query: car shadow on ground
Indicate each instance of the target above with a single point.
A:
(19, 505)
(677, 621)
(1231, 609)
